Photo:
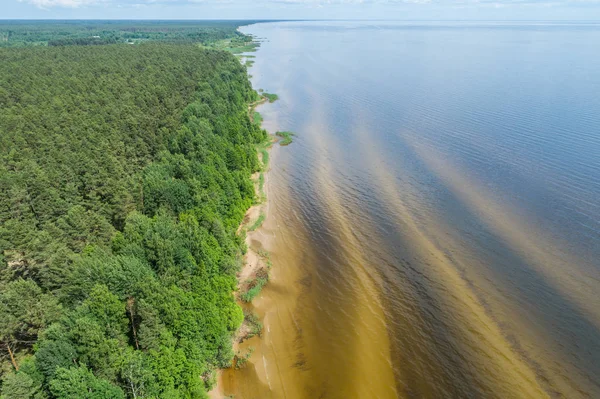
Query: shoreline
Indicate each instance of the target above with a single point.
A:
(255, 258)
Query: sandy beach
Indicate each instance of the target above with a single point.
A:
(256, 258)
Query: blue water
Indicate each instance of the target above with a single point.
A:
(467, 156)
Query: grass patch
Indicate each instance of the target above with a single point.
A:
(265, 158)
(235, 46)
(258, 222)
(267, 257)
(255, 326)
(242, 241)
(262, 148)
(255, 285)
(257, 118)
(246, 48)
(271, 97)
(261, 187)
(263, 253)
(241, 359)
(286, 137)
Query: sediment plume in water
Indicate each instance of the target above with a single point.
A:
(427, 238)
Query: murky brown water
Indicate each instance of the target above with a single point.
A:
(435, 226)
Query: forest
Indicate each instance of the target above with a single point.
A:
(124, 175)
(19, 33)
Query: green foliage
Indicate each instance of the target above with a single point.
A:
(270, 97)
(257, 118)
(236, 45)
(255, 285)
(263, 149)
(264, 254)
(255, 326)
(261, 186)
(64, 33)
(78, 128)
(286, 138)
(20, 385)
(126, 173)
(265, 158)
(55, 351)
(80, 383)
(24, 310)
(258, 222)
(241, 359)
(26, 383)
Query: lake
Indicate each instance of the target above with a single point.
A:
(435, 225)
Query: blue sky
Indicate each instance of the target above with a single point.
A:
(303, 9)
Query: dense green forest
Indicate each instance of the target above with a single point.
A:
(124, 175)
(75, 32)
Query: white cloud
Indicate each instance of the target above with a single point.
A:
(45, 4)
(118, 3)
(61, 3)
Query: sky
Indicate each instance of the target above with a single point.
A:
(588, 10)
